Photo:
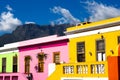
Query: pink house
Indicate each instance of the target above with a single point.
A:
(38, 57)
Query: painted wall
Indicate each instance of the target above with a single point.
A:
(9, 61)
(111, 43)
(110, 35)
(8, 51)
(54, 45)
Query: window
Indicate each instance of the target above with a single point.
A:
(1, 77)
(3, 65)
(41, 65)
(81, 51)
(14, 77)
(7, 78)
(27, 64)
(118, 39)
(100, 44)
(14, 63)
(41, 56)
(56, 57)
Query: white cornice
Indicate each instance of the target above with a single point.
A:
(10, 51)
(8, 48)
(104, 30)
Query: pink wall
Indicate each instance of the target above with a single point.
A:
(52, 45)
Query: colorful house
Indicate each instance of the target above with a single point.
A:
(9, 62)
(94, 52)
(39, 57)
(89, 51)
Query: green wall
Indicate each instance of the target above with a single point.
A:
(9, 61)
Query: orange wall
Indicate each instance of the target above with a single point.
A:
(114, 67)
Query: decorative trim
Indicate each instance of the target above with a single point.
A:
(9, 51)
(104, 30)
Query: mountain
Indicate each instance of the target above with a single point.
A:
(30, 31)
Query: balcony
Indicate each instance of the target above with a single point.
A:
(95, 69)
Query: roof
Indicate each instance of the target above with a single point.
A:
(12, 47)
(42, 40)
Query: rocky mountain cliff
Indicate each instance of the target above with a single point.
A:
(30, 31)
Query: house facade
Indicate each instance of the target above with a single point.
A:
(89, 51)
(94, 52)
(39, 57)
(9, 62)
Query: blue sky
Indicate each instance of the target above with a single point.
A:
(43, 12)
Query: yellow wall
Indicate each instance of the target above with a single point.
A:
(111, 43)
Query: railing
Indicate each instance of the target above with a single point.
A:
(82, 69)
(68, 69)
(95, 68)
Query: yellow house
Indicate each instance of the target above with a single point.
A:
(93, 52)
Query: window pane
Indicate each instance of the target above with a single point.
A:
(14, 63)
(1, 77)
(80, 57)
(4, 61)
(27, 65)
(3, 64)
(14, 77)
(100, 45)
(14, 68)
(15, 60)
(81, 51)
(81, 47)
(40, 66)
(7, 77)
(3, 69)
(56, 56)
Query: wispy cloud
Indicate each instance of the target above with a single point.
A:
(66, 16)
(100, 11)
(9, 8)
(7, 21)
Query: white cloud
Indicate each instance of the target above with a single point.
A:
(67, 17)
(9, 8)
(99, 11)
(29, 22)
(8, 22)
